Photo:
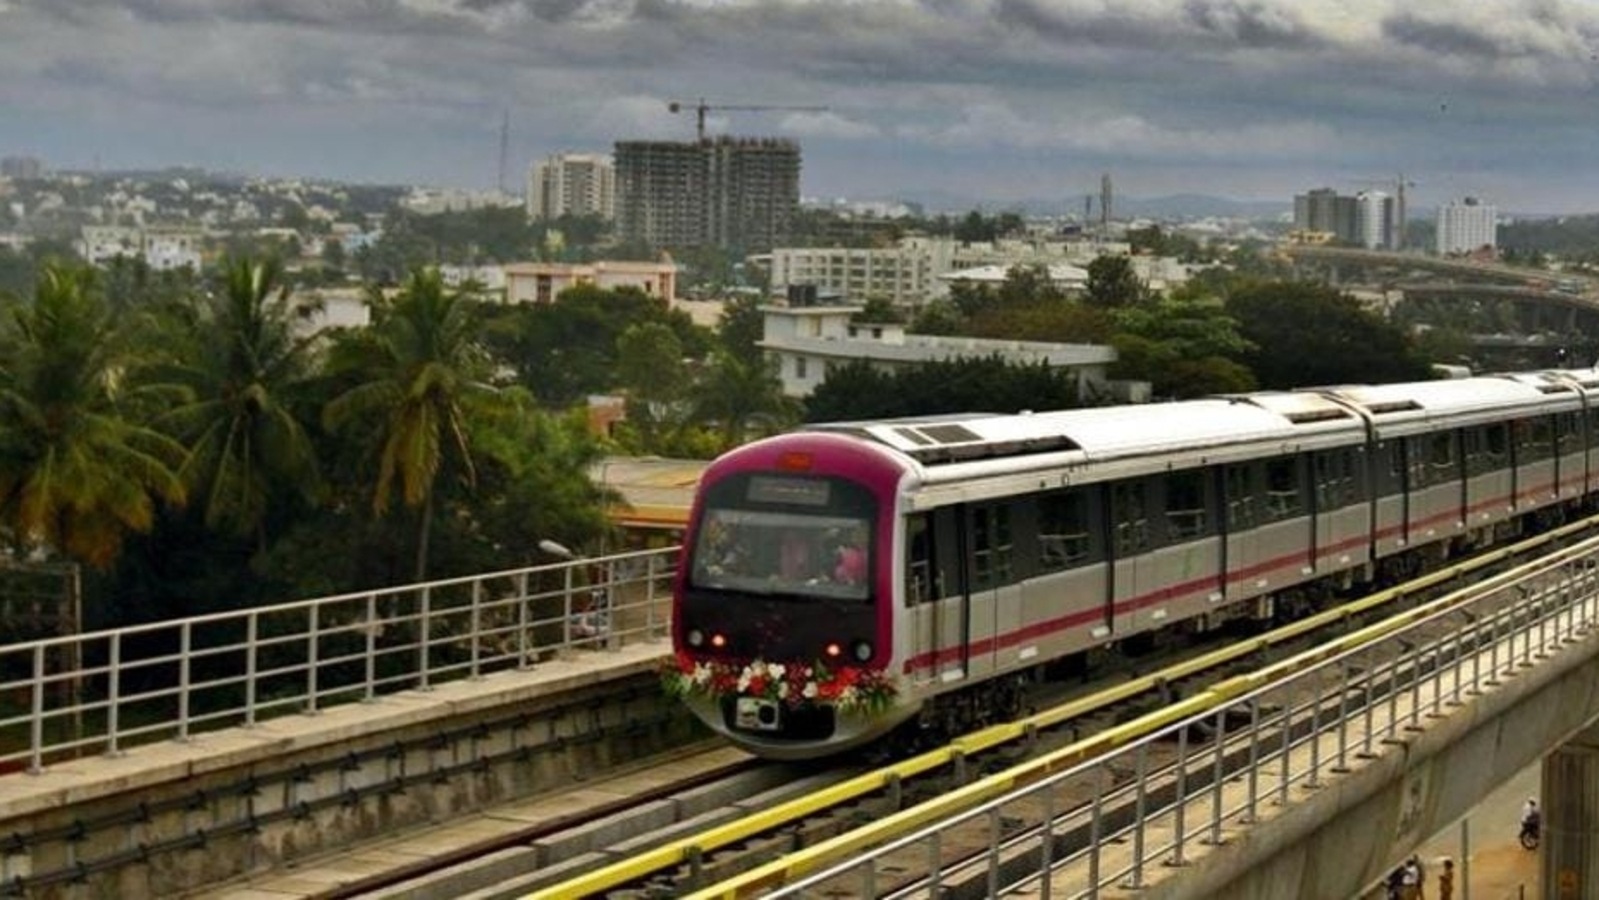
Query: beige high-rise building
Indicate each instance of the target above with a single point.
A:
(578, 184)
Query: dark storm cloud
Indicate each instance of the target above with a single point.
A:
(1440, 37)
(981, 86)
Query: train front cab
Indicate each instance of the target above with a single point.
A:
(787, 563)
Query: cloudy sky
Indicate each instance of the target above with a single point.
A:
(1006, 100)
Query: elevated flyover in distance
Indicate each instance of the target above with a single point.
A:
(1337, 259)
(1312, 777)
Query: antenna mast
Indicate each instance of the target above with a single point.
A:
(505, 140)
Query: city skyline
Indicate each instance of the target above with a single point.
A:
(1006, 100)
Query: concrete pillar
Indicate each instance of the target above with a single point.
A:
(1570, 802)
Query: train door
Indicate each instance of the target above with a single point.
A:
(993, 602)
(1131, 541)
(1242, 494)
(940, 605)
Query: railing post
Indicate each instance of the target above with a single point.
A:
(566, 609)
(1219, 740)
(1314, 781)
(1253, 778)
(185, 656)
(113, 705)
(252, 637)
(1046, 849)
(1096, 834)
(1180, 809)
(369, 693)
(36, 721)
(424, 630)
(523, 604)
(475, 671)
(1140, 806)
(649, 595)
(313, 655)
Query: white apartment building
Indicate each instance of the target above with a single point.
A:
(1467, 226)
(918, 269)
(1374, 220)
(809, 341)
(544, 282)
(160, 248)
(578, 184)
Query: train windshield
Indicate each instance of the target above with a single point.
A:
(773, 535)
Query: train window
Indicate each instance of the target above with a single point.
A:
(1285, 494)
(1486, 449)
(1568, 429)
(1336, 487)
(1187, 513)
(1063, 533)
(1535, 439)
(1436, 465)
(1242, 484)
(918, 559)
(1389, 472)
(1130, 517)
(992, 546)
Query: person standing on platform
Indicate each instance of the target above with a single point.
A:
(1410, 882)
(1446, 880)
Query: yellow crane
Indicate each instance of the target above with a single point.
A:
(701, 108)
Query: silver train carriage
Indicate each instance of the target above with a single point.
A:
(839, 581)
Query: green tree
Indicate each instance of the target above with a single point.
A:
(741, 327)
(1112, 283)
(735, 393)
(1308, 334)
(80, 468)
(651, 370)
(247, 444)
(422, 376)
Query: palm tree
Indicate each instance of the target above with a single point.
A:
(422, 375)
(246, 445)
(736, 393)
(79, 468)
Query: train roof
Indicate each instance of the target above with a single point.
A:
(1461, 399)
(1109, 431)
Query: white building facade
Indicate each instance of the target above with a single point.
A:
(578, 184)
(1467, 226)
(808, 342)
(918, 269)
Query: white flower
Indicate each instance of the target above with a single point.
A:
(776, 671)
(782, 690)
(810, 691)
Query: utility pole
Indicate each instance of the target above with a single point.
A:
(505, 141)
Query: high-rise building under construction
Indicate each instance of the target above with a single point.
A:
(734, 193)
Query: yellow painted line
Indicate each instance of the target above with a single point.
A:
(679, 852)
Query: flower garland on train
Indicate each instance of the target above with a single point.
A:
(847, 688)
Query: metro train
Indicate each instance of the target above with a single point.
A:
(912, 576)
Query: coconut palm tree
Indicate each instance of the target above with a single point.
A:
(421, 375)
(80, 467)
(736, 393)
(246, 444)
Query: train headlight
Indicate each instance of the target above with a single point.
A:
(696, 637)
(862, 650)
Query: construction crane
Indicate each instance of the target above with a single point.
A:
(701, 108)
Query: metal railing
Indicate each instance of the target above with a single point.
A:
(105, 691)
(1208, 763)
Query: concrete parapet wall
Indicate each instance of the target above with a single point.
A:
(165, 818)
(1335, 841)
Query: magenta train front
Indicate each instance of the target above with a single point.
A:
(910, 576)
